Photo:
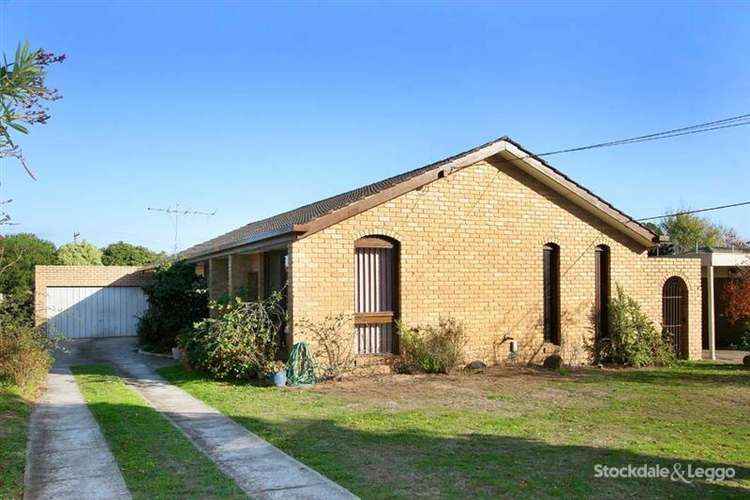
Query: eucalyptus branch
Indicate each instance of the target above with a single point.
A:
(24, 97)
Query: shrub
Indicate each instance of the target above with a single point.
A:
(240, 341)
(24, 357)
(332, 344)
(553, 362)
(432, 349)
(744, 343)
(746, 361)
(633, 339)
(177, 298)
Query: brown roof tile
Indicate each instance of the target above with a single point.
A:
(284, 223)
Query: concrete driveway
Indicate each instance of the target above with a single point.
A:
(68, 457)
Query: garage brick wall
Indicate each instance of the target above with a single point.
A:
(471, 247)
(88, 276)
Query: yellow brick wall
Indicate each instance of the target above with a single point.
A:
(89, 276)
(471, 247)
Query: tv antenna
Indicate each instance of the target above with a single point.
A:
(178, 212)
(75, 237)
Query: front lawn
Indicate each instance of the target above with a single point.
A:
(15, 410)
(512, 432)
(156, 459)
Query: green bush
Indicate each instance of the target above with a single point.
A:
(744, 343)
(177, 298)
(24, 348)
(633, 339)
(432, 349)
(240, 341)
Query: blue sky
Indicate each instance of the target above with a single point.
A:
(250, 109)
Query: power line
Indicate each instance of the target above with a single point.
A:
(686, 212)
(734, 121)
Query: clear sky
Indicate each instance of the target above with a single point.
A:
(250, 109)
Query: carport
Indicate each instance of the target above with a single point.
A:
(718, 266)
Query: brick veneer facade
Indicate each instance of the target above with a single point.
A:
(83, 276)
(471, 247)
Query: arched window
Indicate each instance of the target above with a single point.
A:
(551, 263)
(376, 278)
(601, 306)
(675, 313)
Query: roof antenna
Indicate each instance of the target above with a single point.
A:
(178, 212)
(75, 237)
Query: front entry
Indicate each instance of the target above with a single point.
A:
(675, 314)
(276, 273)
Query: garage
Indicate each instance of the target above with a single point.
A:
(81, 312)
(90, 301)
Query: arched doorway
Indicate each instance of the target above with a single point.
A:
(675, 314)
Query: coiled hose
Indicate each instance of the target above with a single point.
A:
(301, 365)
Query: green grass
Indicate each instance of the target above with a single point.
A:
(506, 433)
(15, 410)
(156, 459)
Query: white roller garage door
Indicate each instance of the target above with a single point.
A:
(78, 312)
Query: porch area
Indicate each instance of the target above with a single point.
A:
(718, 267)
(247, 275)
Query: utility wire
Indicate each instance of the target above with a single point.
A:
(734, 121)
(686, 212)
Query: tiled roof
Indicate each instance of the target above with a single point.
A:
(284, 222)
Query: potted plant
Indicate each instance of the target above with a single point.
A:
(276, 371)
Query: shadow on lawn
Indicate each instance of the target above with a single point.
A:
(694, 374)
(407, 463)
(717, 374)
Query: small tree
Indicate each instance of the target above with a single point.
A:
(737, 299)
(125, 254)
(79, 254)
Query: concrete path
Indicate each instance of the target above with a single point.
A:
(726, 355)
(67, 455)
(259, 468)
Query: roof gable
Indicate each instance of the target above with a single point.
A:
(316, 216)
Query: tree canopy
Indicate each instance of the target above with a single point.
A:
(689, 231)
(79, 254)
(20, 253)
(126, 254)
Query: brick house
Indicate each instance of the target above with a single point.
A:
(494, 237)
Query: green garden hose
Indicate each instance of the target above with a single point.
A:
(301, 366)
